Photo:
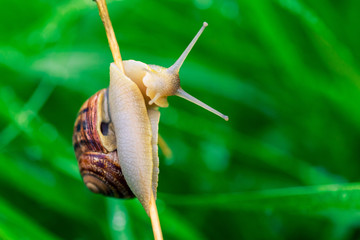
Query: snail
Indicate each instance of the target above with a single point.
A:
(116, 131)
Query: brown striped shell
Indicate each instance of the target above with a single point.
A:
(95, 149)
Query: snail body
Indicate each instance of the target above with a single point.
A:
(120, 125)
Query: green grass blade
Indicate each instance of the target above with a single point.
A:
(310, 200)
(15, 225)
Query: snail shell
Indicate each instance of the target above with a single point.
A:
(95, 149)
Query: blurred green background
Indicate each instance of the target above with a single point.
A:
(286, 165)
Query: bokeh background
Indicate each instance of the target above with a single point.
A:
(286, 165)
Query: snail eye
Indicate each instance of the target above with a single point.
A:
(104, 127)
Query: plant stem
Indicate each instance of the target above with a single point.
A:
(114, 47)
(154, 216)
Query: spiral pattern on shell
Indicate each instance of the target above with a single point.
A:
(99, 168)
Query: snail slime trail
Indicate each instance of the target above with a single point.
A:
(116, 131)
